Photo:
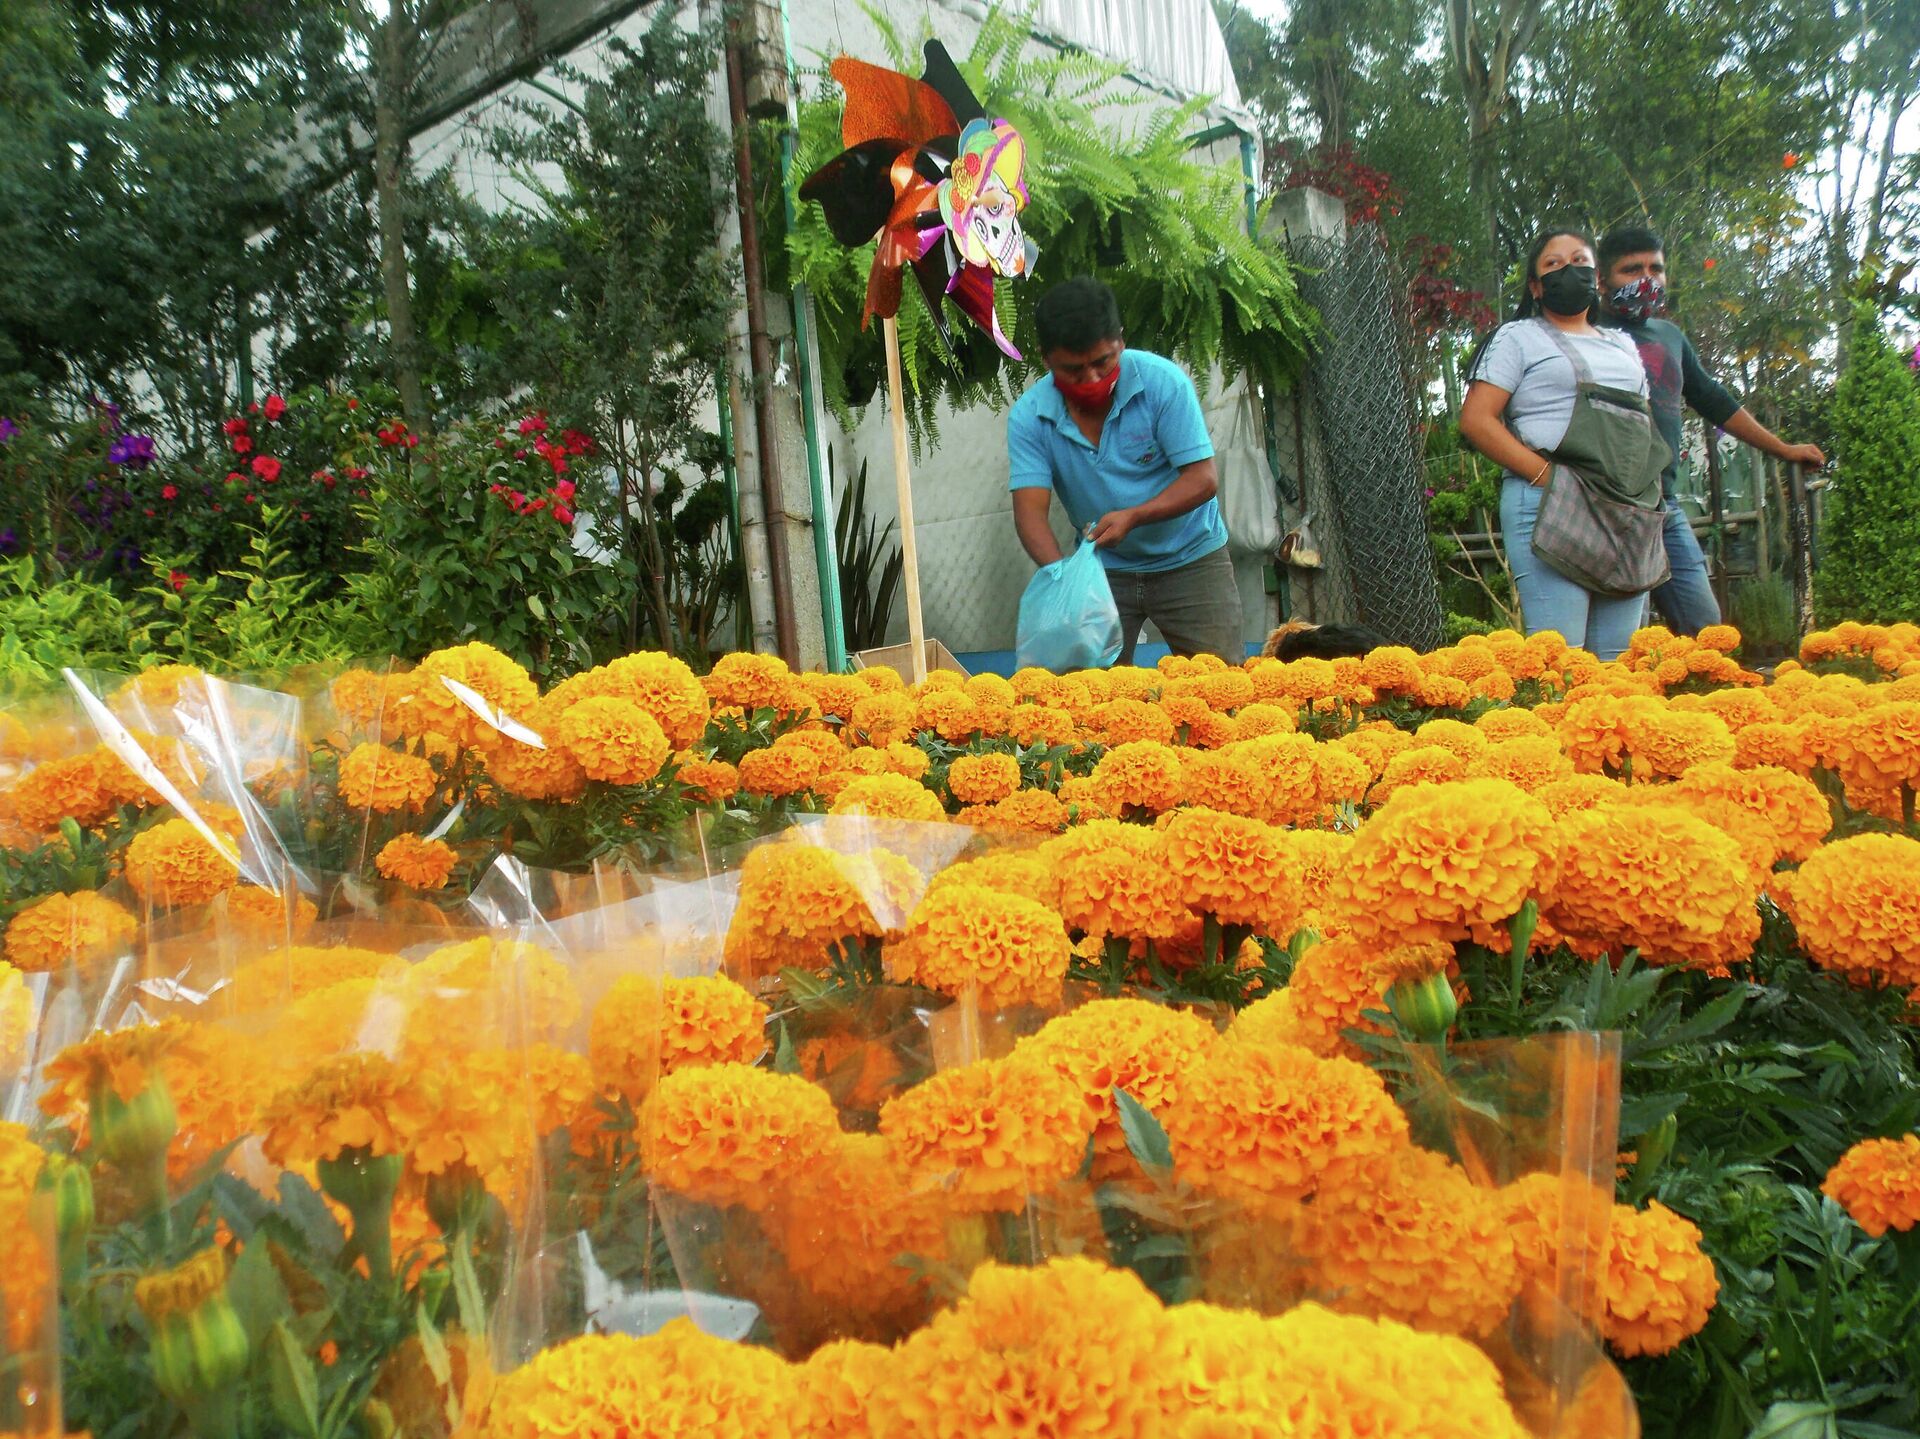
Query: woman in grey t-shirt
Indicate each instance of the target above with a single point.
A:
(1518, 406)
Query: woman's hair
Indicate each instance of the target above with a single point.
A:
(1528, 306)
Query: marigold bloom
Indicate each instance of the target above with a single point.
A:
(836, 1389)
(159, 688)
(416, 861)
(1285, 776)
(17, 1019)
(1660, 1285)
(835, 696)
(752, 682)
(1793, 809)
(173, 865)
(1529, 762)
(1856, 906)
(881, 719)
(1146, 1049)
(983, 778)
(531, 772)
(1392, 669)
(1877, 1181)
(1375, 746)
(1437, 859)
(675, 1384)
(433, 708)
(796, 900)
(1030, 811)
(1424, 764)
(779, 773)
(362, 1102)
(948, 713)
(707, 779)
(1240, 871)
(643, 1027)
(1276, 1123)
(1665, 743)
(613, 740)
(727, 1134)
(58, 789)
(373, 777)
(965, 939)
(59, 929)
(992, 1132)
(461, 994)
(1332, 987)
(889, 796)
(1130, 721)
(299, 970)
(256, 913)
(1141, 775)
(1880, 747)
(1113, 880)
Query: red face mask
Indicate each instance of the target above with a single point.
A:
(1093, 396)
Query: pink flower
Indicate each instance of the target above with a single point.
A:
(235, 426)
(564, 490)
(534, 424)
(517, 498)
(241, 444)
(563, 514)
(266, 467)
(169, 492)
(276, 407)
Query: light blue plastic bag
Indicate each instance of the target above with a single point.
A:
(1068, 620)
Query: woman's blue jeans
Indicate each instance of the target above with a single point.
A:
(1551, 601)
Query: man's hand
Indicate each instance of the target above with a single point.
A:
(1809, 455)
(1112, 527)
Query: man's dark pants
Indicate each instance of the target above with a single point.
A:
(1196, 608)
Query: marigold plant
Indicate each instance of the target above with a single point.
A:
(993, 1132)
(1660, 1286)
(1004, 949)
(727, 1134)
(78, 928)
(1856, 906)
(1877, 1181)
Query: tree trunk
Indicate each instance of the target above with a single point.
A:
(391, 85)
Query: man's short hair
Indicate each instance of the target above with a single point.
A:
(1626, 240)
(1076, 315)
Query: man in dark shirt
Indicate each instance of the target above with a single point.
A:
(1633, 284)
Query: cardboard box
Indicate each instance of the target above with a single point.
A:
(900, 657)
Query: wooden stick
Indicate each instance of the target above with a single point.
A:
(903, 486)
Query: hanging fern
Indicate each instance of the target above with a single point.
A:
(1136, 209)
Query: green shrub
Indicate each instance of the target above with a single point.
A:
(47, 625)
(1762, 610)
(1870, 544)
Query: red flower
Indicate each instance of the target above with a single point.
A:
(241, 444)
(178, 578)
(235, 426)
(534, 424)
(149, 514)
(352, 404)
(517, 498)
(356, 473)
(1710, 264)
(266, 467)
(329, 481)
(1789, 160)
(169, 492)
(563, 514)
(394, 434)
(305, 516)
(254, 408)
(234, 477)
(576, 443)
(564, 490)
(276, 407)
(252, 498)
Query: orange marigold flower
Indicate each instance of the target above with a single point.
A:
(1285, 776)
(1880, 747)
(66, 929)
(1146, 1049)
(259, 913)
(1387, 1240)
(416, 861)
(797, 900)
(752, 682)
(686, 1384)
(1424, 764)
(1724, 638)
(1877, 1181)
(173, 865)
(643, 1027)
(1030, 811)
(1532, 762)
(1113, 881)
(300, 970)
(1392, 669)
(779, 773)
(1275, 1122)
(1126, 721)
(1343, 776)
(531, 772)
(983, 778)
(1069, 1347)
(707, 779)
(947, 712)
(1856, 906)
(1375, 746)
(881, 719)
(835, 696)
(1617, 882)
(836, 1386)
(1142, 775)
(727, 1133)
(462, 994)
(1240, 871)
(890, 796)
(1567, 796)
(1793, 809)
(613, 740)
(356, 1101)
(965, 939)
(1332, 987)
(431, 707)
(1251, 721)
(1437, 859)
(1659, 1284)
(992, 1132)
(17, 1020)
(1323, 853)
(59, 789)
(159, 688)
(1664, 743)
(373, 777)
(1463, 739)
(1500, 725)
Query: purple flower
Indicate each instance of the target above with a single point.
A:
(7, 429)
(1913, 363)
(9, 541)
(133, 451)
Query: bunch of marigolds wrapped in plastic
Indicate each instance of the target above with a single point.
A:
(416, 1051)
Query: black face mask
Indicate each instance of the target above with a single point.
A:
(1569, 290)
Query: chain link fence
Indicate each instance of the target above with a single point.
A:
(1366, 467)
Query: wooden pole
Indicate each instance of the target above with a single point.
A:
(903, 487)
(1802, 532)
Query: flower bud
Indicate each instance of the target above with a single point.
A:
(199, 1347)
(219, 1342)
(130, 1132)
(171, 1355)
(360, 1180)
(67, 1188)
(456, 1200)
(1424, 1007)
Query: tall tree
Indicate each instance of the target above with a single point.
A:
(1486, 40)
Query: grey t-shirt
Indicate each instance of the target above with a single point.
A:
(1523, 360)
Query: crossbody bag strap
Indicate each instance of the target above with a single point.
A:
(1581, 373)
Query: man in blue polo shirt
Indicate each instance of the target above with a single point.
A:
(1118, 434)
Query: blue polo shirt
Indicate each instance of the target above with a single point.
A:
(1154, 429)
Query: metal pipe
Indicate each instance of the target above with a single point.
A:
(825, 561)
(760, 352)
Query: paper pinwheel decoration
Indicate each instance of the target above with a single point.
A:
(940, 184)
